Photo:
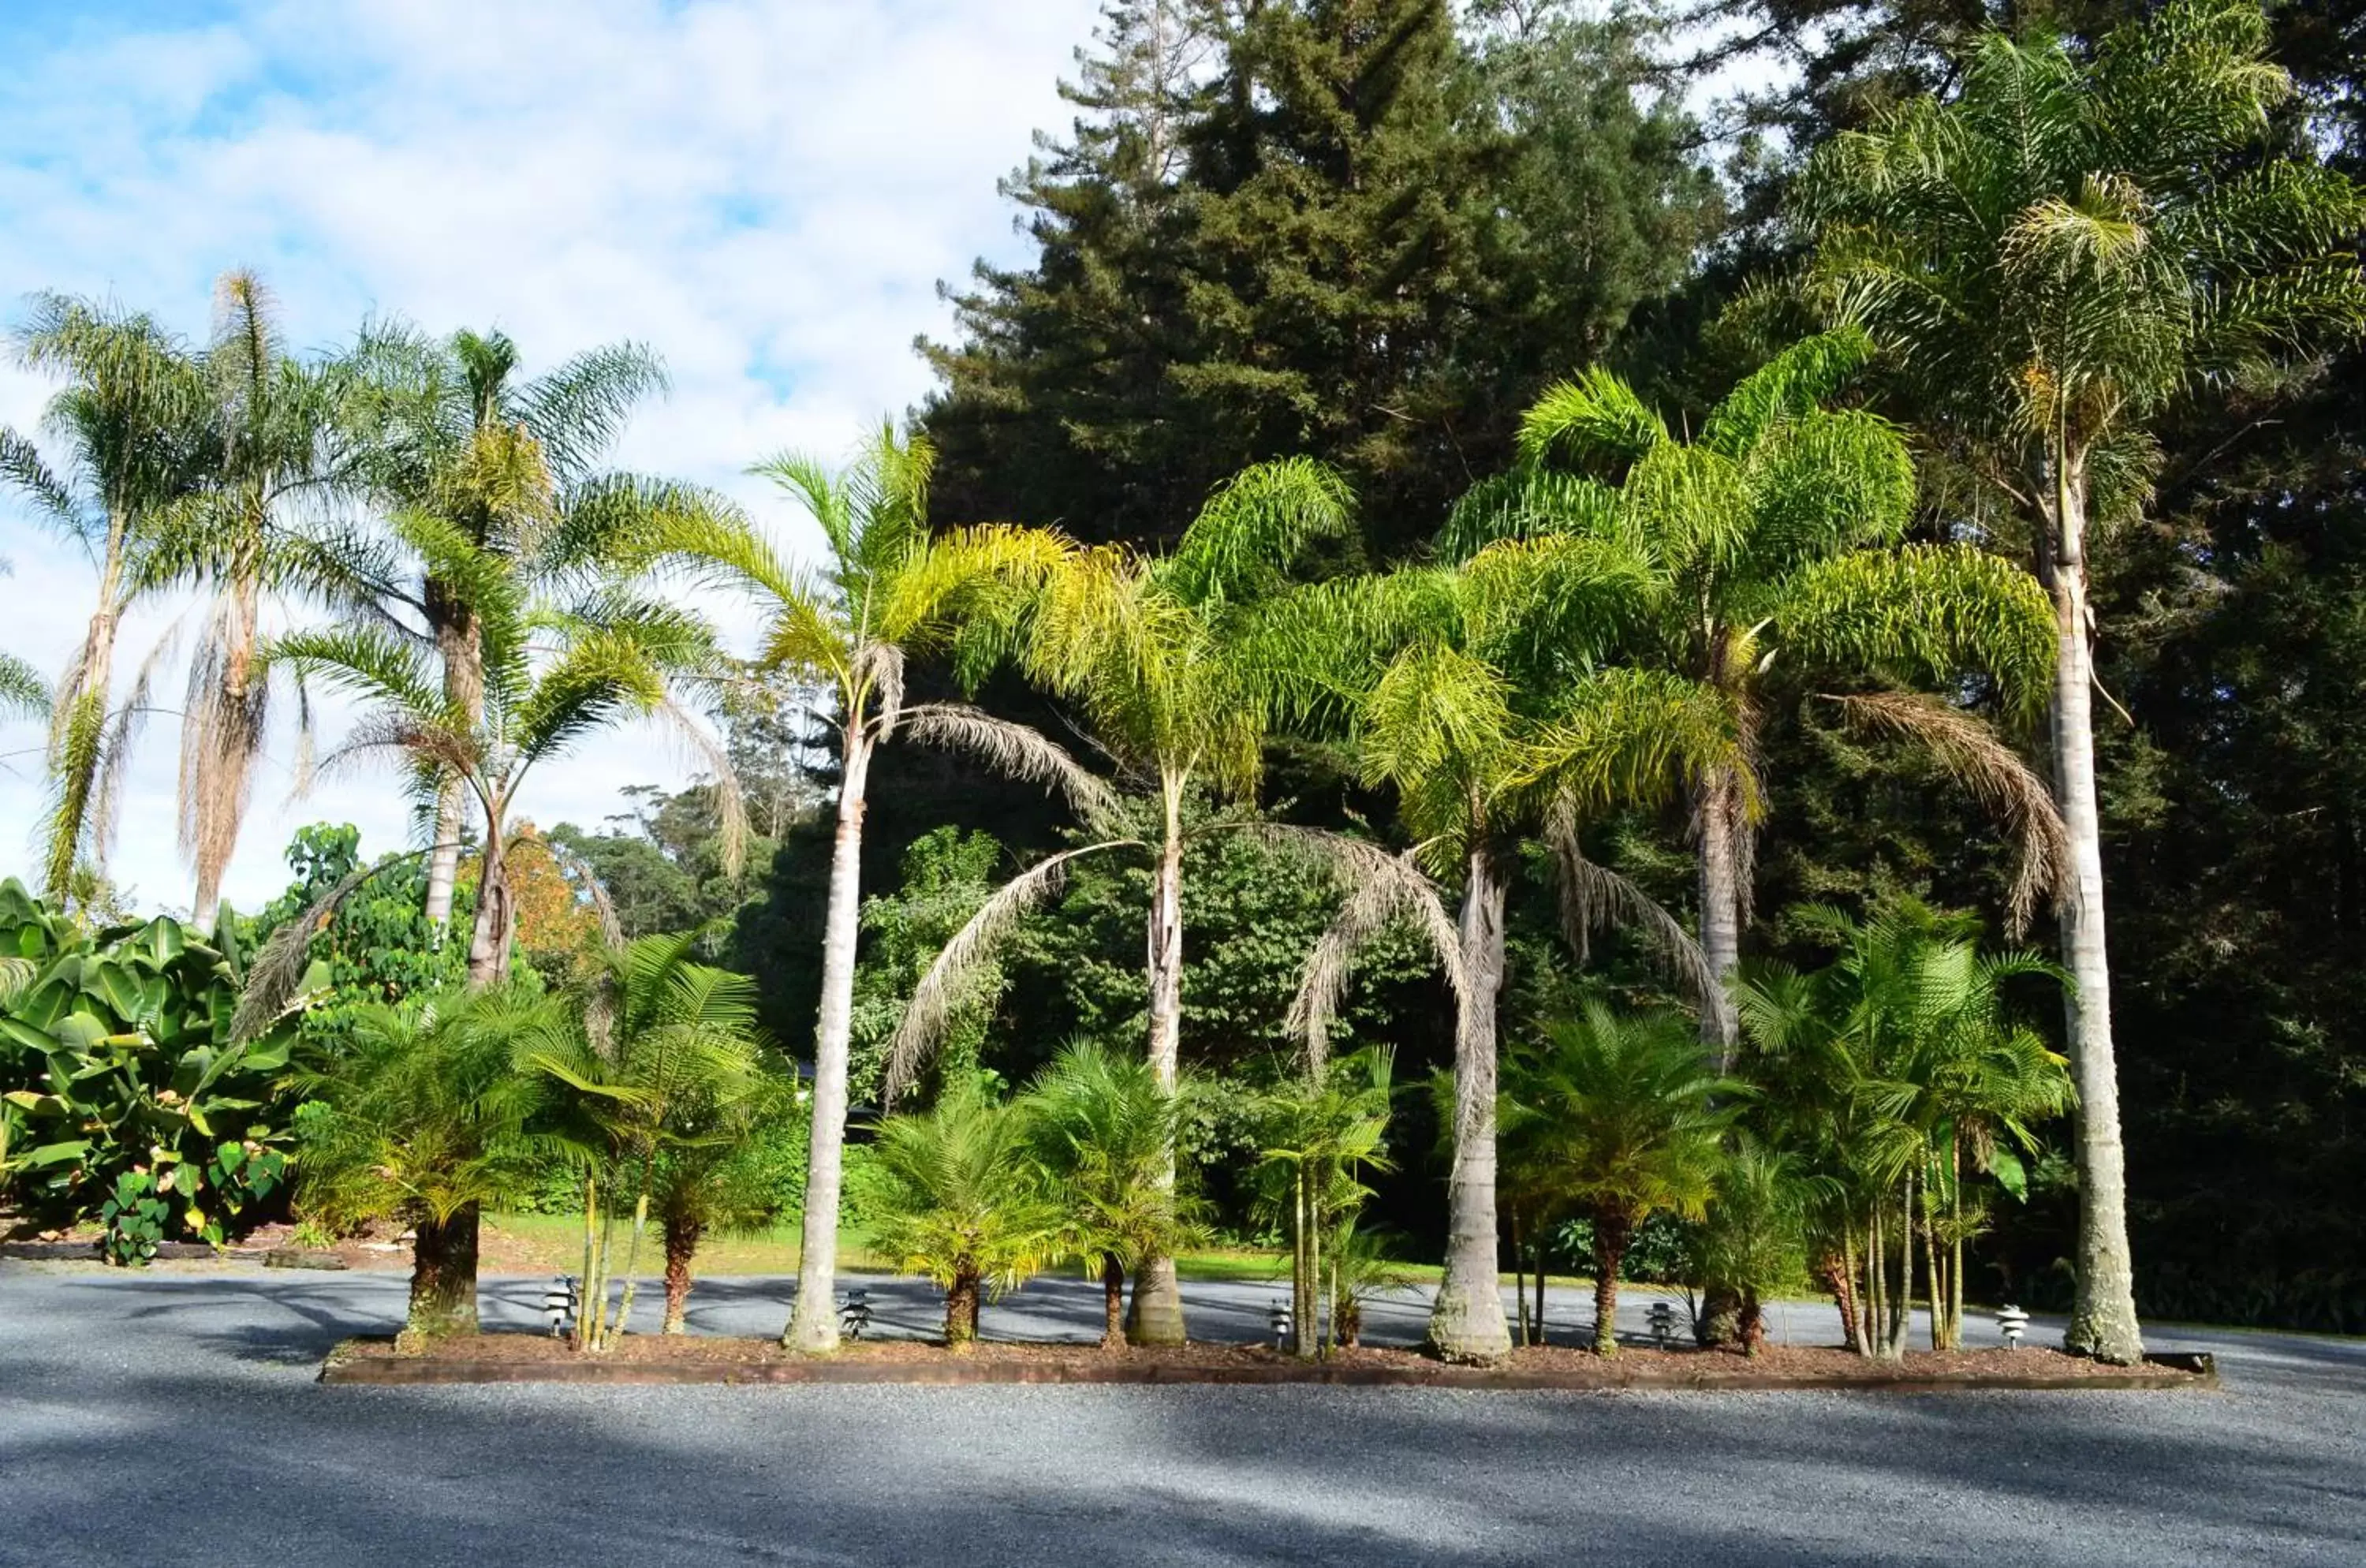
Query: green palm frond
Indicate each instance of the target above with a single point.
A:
(1524, 502)
(1596, 418)
(1253, 528)
(1793, 385)
(1926, 615)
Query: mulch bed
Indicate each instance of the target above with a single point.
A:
(708, 1358)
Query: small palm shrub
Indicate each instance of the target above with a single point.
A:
(955, 1193)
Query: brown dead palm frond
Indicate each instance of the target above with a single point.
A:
(1976, 757)
(1016, 750)
(1593, 899)
(1383, 890)
(933, 999)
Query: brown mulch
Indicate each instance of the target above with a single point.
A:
(707, 1357)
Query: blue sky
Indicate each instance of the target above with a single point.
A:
(766, 191)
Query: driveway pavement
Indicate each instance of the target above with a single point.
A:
(171, 1418)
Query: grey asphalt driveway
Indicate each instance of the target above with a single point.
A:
(171, 1418)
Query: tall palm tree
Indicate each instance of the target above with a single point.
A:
(889, 591)
(260, 527)
(2056, 252)
(488, 473)
(1775, 535)
(131, 421)
(1475, 694)
(1150, 652)
(1617, 1114)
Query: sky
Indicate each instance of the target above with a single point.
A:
(766, 192)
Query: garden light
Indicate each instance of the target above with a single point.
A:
(1663, 1324)
(1278, 1320)
(855, 1315)
(2012, 1322)
(558, 1303)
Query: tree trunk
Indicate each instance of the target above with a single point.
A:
(489, 943)
(1519, 1276)
(812, 1324)
(961, 1312)
(1717, 826)
(1157, 1315)
(1611, 1231)
(2104, 1311)
(1467, 1322)
(1838, 1273)
(442, 1280)
(1304, 1281)
(682, 1237)
(459, 643)
(1113, 1302)
(1752, 1323)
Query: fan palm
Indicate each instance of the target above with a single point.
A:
(488, 474)
(666, 1080)
(1775, 535)
(889, 591)
(956, 1196)
(1152, 652)
(1617, 1114)
(426, 1118)
(2056, 253)
(131, 419)
(1473, 694)
(1103, 1129)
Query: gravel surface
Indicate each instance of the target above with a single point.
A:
(171, 1417)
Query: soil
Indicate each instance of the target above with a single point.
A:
(706, 1357)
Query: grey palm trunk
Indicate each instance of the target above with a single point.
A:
(1467, 1323)
(1155, 1313)
(460, 642)
(813, 1322)
(1718, 822)
(2103, 1312)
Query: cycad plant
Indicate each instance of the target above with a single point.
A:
(1617, 1113)
(665, 1079)
(2056, 252)
(1154, 652)
(1776, 535)
(131, 421)
(888, 591)
(1103, 1129)
(427, 1118)
(1900, 1075)
(955, 1195)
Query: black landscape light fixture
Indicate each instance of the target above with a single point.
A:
(558, 1303)
(1663, 1323)
(854, 1316)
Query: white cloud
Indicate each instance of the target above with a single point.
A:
(767, 193)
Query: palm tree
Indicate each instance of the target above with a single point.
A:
(131, 421)
(668, 1077)
(1617, 1113)
(254, 529)
(1472, 692)
(890, 591)
(958, 1199)
(2056, 255)
(22, 690)
(1754, 1239)
(1894, 1069)
(488, 474)
(426, 1118)
(1318, 1135)
(1103, 1129)
(1776, 535)
(1150, 651)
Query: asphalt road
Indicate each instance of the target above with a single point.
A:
(171, 1418)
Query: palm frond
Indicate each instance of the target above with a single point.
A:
(1016, 750)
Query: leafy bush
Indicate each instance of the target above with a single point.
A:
(116, 1061)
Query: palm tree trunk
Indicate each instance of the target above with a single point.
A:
(961, 1312)
(1302, 1282)
(1717, 816)
(1466, 1324)
(2104, 1311)
(460, 642)
(489, 943)
(812, 1324)
(1839, 1271)
(1157, 1313)
(1113, 1302)
(682, 1237)
(1610, 1234)
(442, 1278)
(1519, 1275)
